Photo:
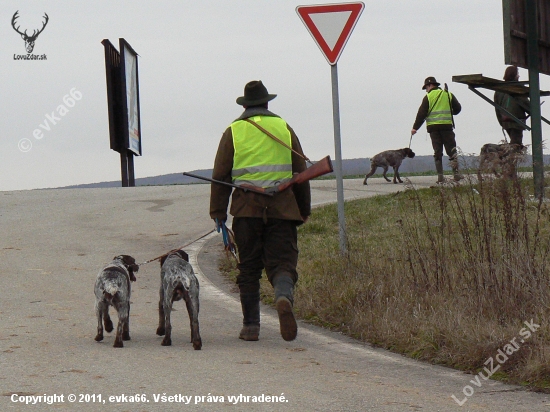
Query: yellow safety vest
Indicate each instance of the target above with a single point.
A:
(439, 111)
(259, 160)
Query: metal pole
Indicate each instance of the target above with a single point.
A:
(502, 109)
(534, 95)
(124, 167)
(131, 175)
(338, 159)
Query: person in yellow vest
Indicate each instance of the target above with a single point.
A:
(437, 109)
(265, 227)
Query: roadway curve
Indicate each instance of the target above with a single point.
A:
(55, 241)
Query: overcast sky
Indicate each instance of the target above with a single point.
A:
(196, 57)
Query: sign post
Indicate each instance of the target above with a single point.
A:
(526, 26)
(331, 25)
(534, 96)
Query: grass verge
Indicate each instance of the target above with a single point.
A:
(451, 275)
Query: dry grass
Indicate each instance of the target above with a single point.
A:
(448, 275)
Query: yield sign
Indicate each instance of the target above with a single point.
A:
(330, 25)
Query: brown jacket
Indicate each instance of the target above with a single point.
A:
(291, 204)
(515, 106)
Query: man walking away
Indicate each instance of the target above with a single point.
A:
(437, 109)
(265, 227)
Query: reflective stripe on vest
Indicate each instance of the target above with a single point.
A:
(259, 160)
(439, 107)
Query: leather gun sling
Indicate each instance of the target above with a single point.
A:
(276, 139)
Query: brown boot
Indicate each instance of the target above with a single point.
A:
(287, 323)
(250, 333)
(250, 304)
(454, 165)
(284, 291)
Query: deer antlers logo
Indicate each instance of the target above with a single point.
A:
(29, 40)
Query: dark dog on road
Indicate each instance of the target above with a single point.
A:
(112, 288)
(178, 281)
(389, 158)
(500, 159)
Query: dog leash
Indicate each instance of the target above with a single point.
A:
(228, 238)
(410, 141)
(175, 250)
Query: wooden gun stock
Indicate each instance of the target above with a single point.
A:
(322, 167)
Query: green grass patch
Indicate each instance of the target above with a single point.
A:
(446, 275)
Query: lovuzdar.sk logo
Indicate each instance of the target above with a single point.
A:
(29, 39)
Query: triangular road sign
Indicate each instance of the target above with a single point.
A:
(330, 25)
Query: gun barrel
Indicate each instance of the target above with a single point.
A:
(320, 168)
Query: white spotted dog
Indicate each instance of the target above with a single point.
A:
(178, 281)
(112, 288)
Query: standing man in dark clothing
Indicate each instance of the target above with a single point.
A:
(515, 105)
(437, 109)
(265, 227)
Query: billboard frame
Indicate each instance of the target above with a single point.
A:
(130, 98)
(516, 26)
(114, 103)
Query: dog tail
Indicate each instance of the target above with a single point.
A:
(182, 281)
(111, 288)
(180, 286)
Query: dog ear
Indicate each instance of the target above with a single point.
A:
(183, 255)
(129, 262)
(162, 260)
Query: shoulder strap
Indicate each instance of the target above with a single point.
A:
(450, 105)
(276, 138)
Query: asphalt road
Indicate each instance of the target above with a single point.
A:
(54, 242)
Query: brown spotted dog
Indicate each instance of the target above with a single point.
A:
(112, 288)
(389, 158)
(178, 281)
(500, 159)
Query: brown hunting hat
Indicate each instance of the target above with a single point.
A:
(429, 80)
(255, 94)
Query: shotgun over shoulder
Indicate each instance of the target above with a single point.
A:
(322, 167)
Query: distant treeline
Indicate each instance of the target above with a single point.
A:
(350, 167)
